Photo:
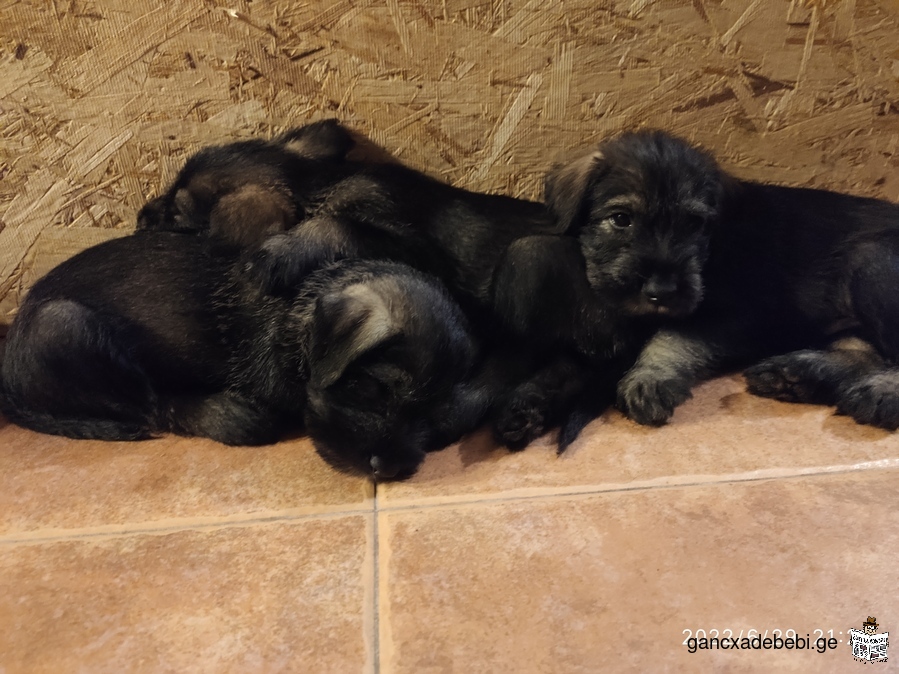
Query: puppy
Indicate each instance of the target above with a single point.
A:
(493, 252)
(154, 333)
(614, 277)
(738, 271)
(341, 208)
(241, 192)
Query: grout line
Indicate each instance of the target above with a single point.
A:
(376, 586)
(386, 656)
(668, 482)
(369, 598)
(175, 525)
(164, 527)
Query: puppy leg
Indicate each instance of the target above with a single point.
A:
(225, 417)
(353, 221)
(283, 260)
(540, 291)
(874, 287)
(672, 363)
(466, 407)
(327, 139)
(813, 376)
(540, 402)
(69, 371)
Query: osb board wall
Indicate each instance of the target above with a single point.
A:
(102, 101)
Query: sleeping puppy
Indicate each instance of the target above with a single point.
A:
(154, 333)
(340, 207)
(806, 279)
(244, 191)
(345, 208)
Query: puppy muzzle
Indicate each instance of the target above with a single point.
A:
(661, 290)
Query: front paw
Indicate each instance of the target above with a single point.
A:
(797, 377)
(873, 401)
(649, 399)
(521, 417)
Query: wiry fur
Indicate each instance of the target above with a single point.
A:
(157, 333)
(744, 271)
(636, 239)
(492, 252)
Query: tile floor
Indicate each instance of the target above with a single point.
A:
(181, 555)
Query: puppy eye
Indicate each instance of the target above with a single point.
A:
(620, 220)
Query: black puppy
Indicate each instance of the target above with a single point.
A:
(806, 278)
(615, 276)
(243, 191)
(497, 255)
(341, 208)
(154, 333)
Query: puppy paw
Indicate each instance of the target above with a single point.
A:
(794, 377)
(274, 265)
(650, 400)
(873, 401)
(522, 417)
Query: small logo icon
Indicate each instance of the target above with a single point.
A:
(867, 644)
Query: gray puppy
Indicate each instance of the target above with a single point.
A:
(158, 333)
(736, 271)
(324, 204)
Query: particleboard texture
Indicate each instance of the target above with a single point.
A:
(102, 101)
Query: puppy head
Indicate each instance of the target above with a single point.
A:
(238, 193)
(643, 206)
(245, 191)
(386, 351)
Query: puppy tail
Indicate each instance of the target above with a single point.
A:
(78, 429)
(69, 427)
(590, 404)
(571, 428)
(224, 417)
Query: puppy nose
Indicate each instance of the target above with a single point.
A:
(381, 470)
(660, 289)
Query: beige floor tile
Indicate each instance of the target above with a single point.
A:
(49, 483)
(722, 431)
(610, 582)
(269, 598)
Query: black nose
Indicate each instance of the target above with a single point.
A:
(660, 289)
(380, 470)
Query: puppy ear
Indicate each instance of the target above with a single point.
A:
(327, 139)
(566, 187)
(347, 324)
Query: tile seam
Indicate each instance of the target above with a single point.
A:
(667, 482)
(164, 527)
(386, 646)
(376, 586)
(369, 596)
